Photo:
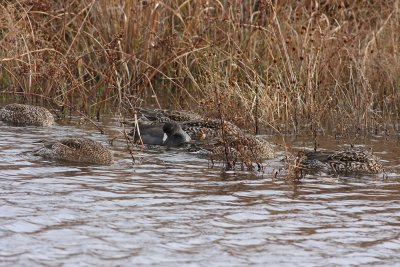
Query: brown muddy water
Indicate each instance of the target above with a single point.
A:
(170, 209)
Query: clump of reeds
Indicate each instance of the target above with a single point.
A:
(281, 65)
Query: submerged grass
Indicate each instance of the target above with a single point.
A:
(278, 65)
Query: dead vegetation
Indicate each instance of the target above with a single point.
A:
(278, 65)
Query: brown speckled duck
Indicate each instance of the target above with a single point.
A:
(82, 150)
(23, 115)
(167, 115)
(203, 129)
(350, 160)
(247, 149)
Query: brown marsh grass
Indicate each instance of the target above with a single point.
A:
(264, 64)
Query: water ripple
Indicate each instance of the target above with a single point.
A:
(170, 209)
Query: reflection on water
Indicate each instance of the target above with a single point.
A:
(171, 210)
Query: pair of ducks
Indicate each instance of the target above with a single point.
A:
(191, 126)
(70, 149)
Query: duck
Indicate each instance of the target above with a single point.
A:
(353, 160)
(167, 115)
(232, 149)
(25, 115)
(210, 128)
(195, 125)
(168, 134)
(82, 150)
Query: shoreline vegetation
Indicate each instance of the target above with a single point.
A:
(275, 66)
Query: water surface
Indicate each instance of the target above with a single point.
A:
(170, 209)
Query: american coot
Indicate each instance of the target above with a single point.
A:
(350, 160)
(82, 150)
(166, 115)
(149, 134)
(23, 115)
(192, 123)
(169, 134)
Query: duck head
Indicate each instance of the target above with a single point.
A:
(175, 135)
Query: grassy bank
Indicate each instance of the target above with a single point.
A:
(282, 65)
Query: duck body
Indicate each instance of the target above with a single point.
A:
(202, 129)
(247, 149)
(24, 115)
(81, 150)
(350, 160)
(149, 134)
(167, 115)
(256, 147)
(169, 134)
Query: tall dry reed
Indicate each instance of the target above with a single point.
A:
(281, 65)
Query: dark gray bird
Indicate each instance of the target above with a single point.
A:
(169, 134)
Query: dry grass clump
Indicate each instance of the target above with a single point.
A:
(282, 65)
